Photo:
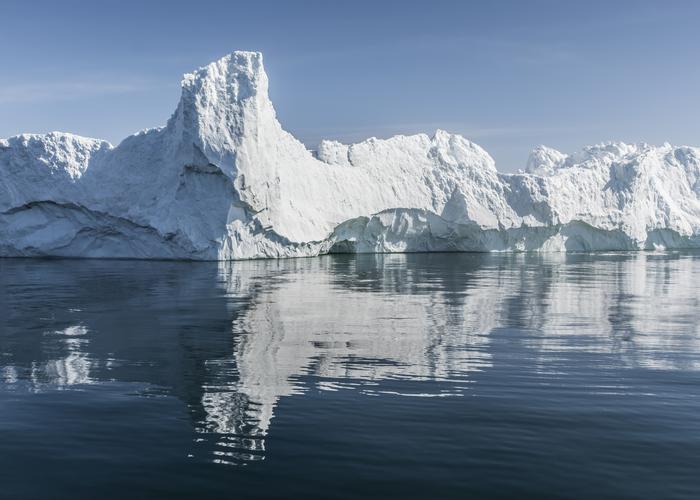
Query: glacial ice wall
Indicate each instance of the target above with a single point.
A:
(223, 180)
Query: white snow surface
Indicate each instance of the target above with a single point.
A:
(222, 180)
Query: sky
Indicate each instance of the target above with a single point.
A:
(509, 75)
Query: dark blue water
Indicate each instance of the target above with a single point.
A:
(407, 376)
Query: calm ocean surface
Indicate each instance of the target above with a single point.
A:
(376, 376)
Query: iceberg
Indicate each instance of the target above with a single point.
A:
(222, 180)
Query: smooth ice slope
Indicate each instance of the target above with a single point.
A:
(223, 180)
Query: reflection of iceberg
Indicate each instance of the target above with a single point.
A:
(230, 416)
(74, 369)
(69, 370)
(314, 323)
(303, 323)
(229, 340)
(636, 305)
(10, 375)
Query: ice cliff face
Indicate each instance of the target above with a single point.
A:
(223, 180)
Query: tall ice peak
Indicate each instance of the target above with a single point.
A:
(236, 76)
(222, 104)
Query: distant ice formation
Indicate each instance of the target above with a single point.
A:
(222, 180)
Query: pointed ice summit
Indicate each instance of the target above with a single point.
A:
(223, 180)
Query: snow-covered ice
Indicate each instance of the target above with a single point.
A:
(223, 180)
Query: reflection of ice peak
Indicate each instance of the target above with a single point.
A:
(299, 321)
(303, 323)
(239, 425)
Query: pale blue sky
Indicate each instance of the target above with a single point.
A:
(509, 74)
